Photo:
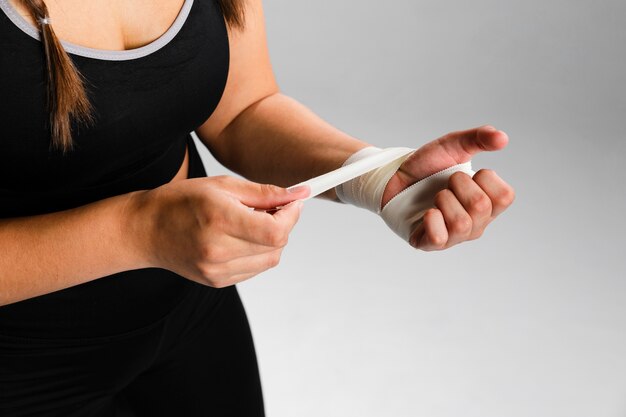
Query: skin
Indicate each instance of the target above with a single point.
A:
(203, 228)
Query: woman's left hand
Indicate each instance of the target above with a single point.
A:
(468, 205)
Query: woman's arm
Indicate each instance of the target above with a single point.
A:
(268, 137)
(262, 134)
(279, 141)
(42, 254)
(201, 229)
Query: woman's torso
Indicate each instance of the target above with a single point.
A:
(146, 101)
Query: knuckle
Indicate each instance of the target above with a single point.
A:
(203, 271)
(213, 276)
(206, 253)
(284, 239)
(212, 218)
(273, 260)
(213, 254)
(477, 235)
(480, 203)
(462, 225)
(217, 282)
(438, 241)
(223, 284)
(458, 177)
(506, 197)
(269, 189)
(209, 276)
(430, 213)
(485, 172)
(278, 238)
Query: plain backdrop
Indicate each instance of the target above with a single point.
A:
(528, 321)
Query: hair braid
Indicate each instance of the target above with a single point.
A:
(66, 95)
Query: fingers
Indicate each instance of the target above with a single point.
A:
(265, 229)
(263, 196)
(457, 220)
(464, 210)
(432, 234)
(220, 275)
(253, 243)
(204, 228)
(499, 192)
(475, 204)
(256, 226)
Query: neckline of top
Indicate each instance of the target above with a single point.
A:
(104, 54)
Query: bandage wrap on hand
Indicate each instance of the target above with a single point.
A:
(404, 212)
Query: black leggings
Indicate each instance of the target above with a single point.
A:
(198, 360)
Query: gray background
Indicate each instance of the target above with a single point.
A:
(528, 321)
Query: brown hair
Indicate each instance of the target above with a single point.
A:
(66, 94)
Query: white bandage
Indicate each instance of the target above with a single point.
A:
(367, 190)
(329, 180)
(405, 211)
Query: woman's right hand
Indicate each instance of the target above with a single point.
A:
(204, 229)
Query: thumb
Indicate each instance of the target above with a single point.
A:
(462, 146)
(451, 149)
(267, 196)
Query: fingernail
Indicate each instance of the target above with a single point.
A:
(297, 189)
(490, 128)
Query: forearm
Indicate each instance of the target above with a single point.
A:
(279, 141)
(46, 253)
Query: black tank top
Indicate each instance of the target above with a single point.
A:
(146, 102)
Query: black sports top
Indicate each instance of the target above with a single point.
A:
(146, 102)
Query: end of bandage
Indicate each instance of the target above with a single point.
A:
(405, 211)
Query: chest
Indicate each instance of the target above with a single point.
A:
(108, 24)
(145, 101)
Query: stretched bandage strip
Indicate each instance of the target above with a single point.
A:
(331, 179)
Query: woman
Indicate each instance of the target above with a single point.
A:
(119, 256)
